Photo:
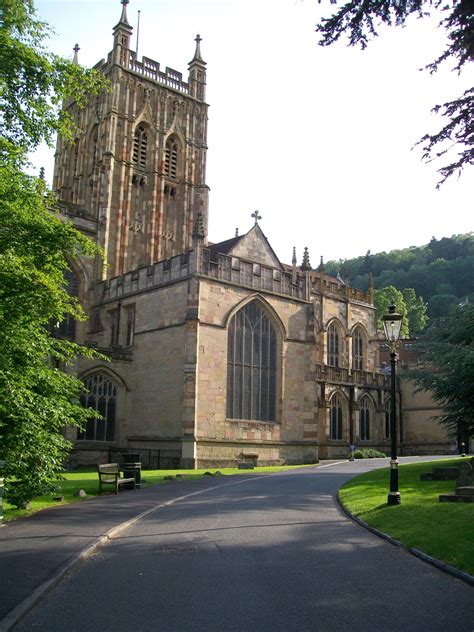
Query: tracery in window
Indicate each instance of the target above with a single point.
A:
(251, 365)
(336, 416)
(364, 417)
(171, 158)
(333, 346)
(140, 145)
(101, 396)
(358, 340)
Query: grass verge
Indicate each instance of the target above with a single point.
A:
(442, 530)
(88, 481)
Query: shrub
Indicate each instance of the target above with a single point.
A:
(367, 453)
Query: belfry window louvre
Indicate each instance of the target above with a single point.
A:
(364, 417)
(358, 350)
(140, 145)
(171, 158)
(336, 413)
(101, 396)
(333, 346)
(251, 366)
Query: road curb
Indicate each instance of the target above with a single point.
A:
(463, 576)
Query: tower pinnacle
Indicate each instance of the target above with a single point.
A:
(123, 17)
(197, 53)
(306, 266)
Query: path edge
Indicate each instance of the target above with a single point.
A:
(446, 568)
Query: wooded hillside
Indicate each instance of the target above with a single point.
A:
(442, 272)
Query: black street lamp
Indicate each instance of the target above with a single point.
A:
(392, 324)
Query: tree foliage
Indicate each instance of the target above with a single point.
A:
(360, 20)
(442, 272)
(416, 311)
(448, 368)
(391, 296)
(34, 82)
(37, 397)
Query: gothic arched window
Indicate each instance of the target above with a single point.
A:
(140, 145)
(171, 158)
(251, 365)
(364, 417)
(358, 340)
(336, 413)
(101, 395)
(333, 346)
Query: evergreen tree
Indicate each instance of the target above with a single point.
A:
(416, 310)
(448, 369)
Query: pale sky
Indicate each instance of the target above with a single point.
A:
(318, 140)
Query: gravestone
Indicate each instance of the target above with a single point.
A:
(464, 492)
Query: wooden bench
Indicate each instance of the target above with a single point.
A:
(109, 474)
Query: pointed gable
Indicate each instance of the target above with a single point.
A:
(254, 246)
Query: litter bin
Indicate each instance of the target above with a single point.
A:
(132, 467)
(131, 457)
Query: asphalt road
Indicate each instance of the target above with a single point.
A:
(263, 553)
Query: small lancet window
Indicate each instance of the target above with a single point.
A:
(336, 418)
(358, 350)
(140, 143)
(364, 415)
(333, 346)
(171, 158)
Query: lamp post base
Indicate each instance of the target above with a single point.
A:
(393, 498)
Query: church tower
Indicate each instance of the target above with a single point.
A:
(136, 169)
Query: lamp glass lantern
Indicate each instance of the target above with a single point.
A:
(392, 324)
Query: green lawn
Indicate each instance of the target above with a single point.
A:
(442, 530)
(88, 481)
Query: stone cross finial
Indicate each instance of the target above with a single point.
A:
(256, 216)
(76, 50)
(198, 39)
(123, 17)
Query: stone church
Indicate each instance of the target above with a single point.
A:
(219, 351)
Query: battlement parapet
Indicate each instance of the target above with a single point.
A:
(150, 69)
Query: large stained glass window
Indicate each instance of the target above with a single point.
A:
(101, 396)
(251, 365)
